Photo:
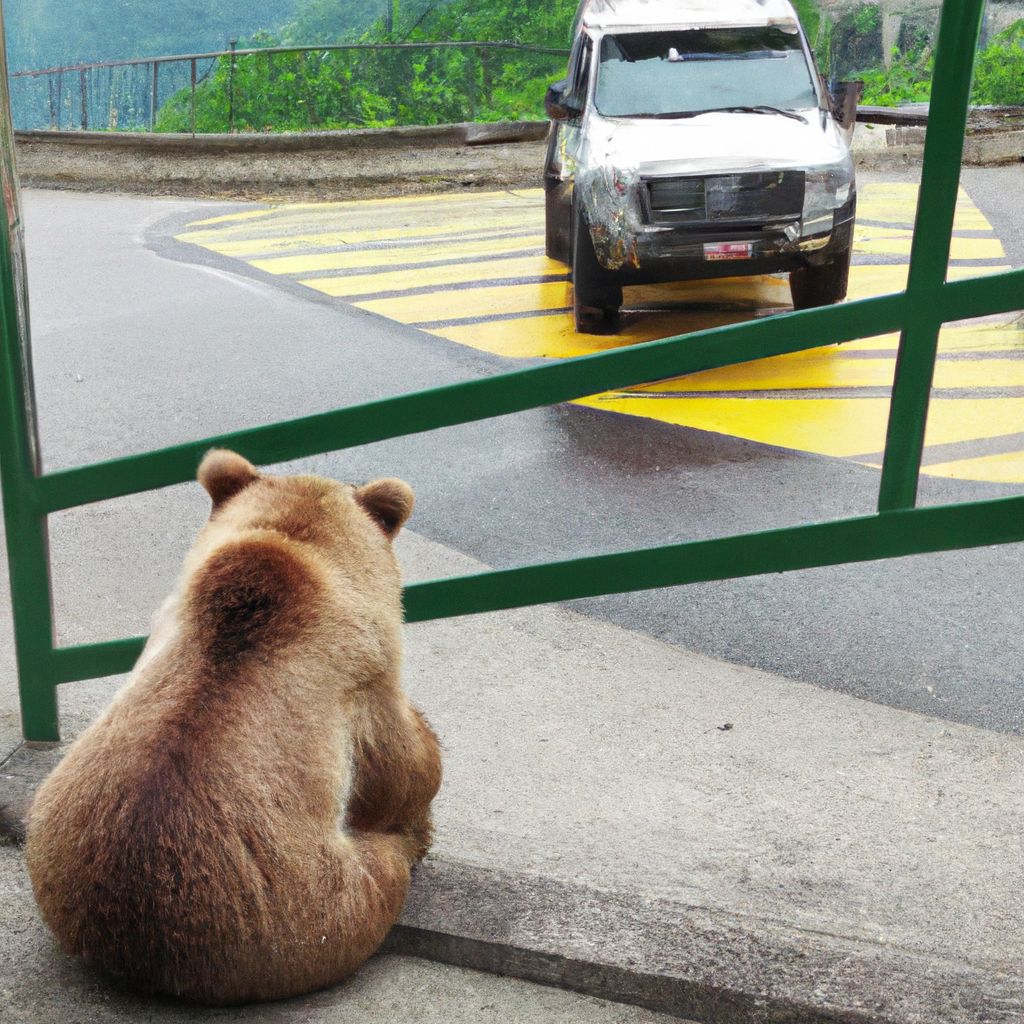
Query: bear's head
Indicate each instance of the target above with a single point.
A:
(282, 548)
(305, 508)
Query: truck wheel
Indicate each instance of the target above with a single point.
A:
(821, 286)
(596, 296)
(556, 230)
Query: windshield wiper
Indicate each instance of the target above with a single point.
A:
(760, 109)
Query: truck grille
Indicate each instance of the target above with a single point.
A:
(754, 198)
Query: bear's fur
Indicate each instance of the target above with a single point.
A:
(241, 823)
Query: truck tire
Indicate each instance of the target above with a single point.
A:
(827, 284)
(556, 227)
(596, 296)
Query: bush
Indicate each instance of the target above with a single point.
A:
(998, 74)
(999, 71)
(356, 89)
(907, 80)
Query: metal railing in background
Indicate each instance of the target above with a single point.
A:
(899, 528)
(129, 94)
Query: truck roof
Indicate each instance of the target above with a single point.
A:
(617, 14)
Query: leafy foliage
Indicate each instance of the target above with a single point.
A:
(999, 71)
(867, 19)
(908, 79)
(998, 74)
(375, 88)
(810, 17)
(52, 33)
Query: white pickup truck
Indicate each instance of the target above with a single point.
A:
(694, 139)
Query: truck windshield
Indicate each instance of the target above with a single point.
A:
(658, 74)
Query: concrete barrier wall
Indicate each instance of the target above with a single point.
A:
(364, 162)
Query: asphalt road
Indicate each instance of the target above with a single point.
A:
(141, 341)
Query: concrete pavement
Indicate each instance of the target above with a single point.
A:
(640, 823)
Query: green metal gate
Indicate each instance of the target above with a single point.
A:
(899, 528)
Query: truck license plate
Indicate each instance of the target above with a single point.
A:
(728, 250)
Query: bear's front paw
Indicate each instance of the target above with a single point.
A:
(418, 838)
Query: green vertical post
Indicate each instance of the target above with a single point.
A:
(959, 30)
(24, 521)
(154, 95)
(233, 43)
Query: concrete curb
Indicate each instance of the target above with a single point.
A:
(689, 961)
(465, 134)
(372, 162)
(338, 165)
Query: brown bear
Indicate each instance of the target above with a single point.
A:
(241, 823)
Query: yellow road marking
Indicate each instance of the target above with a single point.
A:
(508, 299)
(866, 282)
(822, 368)
(842, 428)
(553, 336)
(431, 200)
(829, 401)
(896, 203)
(997, 337)
(361, 258)
(435, 277)
(820, 425)
(291, 243)
(996, 469)
(234, 218)
(889, 243)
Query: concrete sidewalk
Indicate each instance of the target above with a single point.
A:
(639, 823)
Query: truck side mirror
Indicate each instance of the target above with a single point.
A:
(555, 103)
(845, 99)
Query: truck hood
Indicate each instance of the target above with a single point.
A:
(720, 142)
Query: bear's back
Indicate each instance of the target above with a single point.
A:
(159, 852)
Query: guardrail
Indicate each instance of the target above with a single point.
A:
(79, 95)
(899, 528)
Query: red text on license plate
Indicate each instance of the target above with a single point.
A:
(728, 250)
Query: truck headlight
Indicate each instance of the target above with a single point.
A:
(826, 189)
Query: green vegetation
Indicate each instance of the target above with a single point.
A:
(810, 17)
(52, 33)
(908, 79)
(998, 73)
(375, 88)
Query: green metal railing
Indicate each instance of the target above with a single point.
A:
(899, 528)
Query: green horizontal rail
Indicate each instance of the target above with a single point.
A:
(867, 538)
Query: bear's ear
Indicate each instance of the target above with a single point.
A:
(389, 502)
(224, 474)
